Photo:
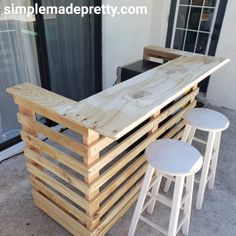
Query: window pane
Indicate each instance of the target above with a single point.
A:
(182, 17)
(190, 41)
(210, 3)
(202, 43)
(197, 2)
(206, 20)
(186, 2)
(179, 39)
(194, 18)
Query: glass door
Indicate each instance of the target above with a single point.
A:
(18, 64)
(73, 45)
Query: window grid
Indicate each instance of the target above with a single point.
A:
(197, 6)
(199, 24)
(198, 31)
(185, 35)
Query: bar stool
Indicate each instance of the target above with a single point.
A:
(174, 158)
(214, 123)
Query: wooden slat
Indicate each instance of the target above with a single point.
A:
(55, 169)
(46, 103)
(118, 194)
(108, 157)
(119, 180)
(99, 145)
(102, 179)
(178, 135)
(128, 157)
(55, 153)
(175, 130)
(53, 135)
(119, 109)
(58, 200)
(118, 210)
(76, 198)
(165, 53)
(60, 216)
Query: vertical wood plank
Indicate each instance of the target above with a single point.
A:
(89, 159)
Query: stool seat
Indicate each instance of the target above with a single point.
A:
(206, 119)
(173, 157)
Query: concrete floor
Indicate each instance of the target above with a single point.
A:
(19, 217)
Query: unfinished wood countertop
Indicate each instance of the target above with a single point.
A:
(116, 111)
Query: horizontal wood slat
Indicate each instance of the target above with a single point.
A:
(58, 200)
(53, 135)
(99, 164)
(73, 196)
(47, 113)
(60, 216)
(55, 153)
(120, 193)
(55, 169)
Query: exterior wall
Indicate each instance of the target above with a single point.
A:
(222, 86)
(159, 23)
(124, 37)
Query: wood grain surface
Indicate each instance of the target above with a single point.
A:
(117, 110)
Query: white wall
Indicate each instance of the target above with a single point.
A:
(159, 22)
(222, 86)
(124, 37)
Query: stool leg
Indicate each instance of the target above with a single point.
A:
(188, 134)
(141, 199)
(176, 205)
(205, 169)
(214, 160)
(167, 185)
(155, 190)
(188, 203)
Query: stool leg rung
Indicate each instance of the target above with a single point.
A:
(155, 226)
(185, 198)
(154, 191)
(146, 204)
(200, 141)
(181, 223)
(162, 199)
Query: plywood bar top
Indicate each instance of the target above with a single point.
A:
(117, 110)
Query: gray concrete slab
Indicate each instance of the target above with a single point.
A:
(19, 217)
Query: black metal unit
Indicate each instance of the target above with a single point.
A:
(136, 68)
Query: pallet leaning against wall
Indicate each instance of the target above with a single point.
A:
(85, 183)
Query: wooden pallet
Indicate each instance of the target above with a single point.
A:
(97, 191)
(87, 181)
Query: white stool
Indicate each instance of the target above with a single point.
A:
(174, 158)
(214, 123)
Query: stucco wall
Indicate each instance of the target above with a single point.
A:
(124, 37)
(222, 86)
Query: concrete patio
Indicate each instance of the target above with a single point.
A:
(19, 217)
